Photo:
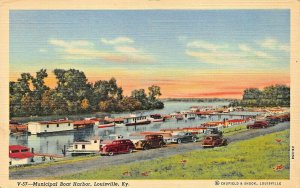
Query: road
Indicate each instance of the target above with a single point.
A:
(105, 161)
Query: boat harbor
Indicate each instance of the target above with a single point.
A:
(56, 139)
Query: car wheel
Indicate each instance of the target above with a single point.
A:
(145, 147)
(130, 150)
(194, 139)
(179, 141)
(110, 153)
(160, 144)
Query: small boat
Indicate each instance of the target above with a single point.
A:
(156, 118)
(106, 124)
(81, 124)
(133, 120)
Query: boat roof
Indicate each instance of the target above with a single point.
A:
(17, 147)
(84, 122)
(21, 155)
(53, 122)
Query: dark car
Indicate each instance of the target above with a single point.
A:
(258, 125)
(112, 147)
(184, 137)
(150, 141)
(272, 120)
(213, 130)
(214, 140)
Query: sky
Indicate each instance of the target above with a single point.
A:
(188, 53)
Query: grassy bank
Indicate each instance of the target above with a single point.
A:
(249, 159)
(234, 130)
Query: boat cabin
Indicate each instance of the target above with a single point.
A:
(19, 155)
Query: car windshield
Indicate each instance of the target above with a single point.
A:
(181, 134)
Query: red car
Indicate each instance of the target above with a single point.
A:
(214, 140)
(112, 147)
(258, 125)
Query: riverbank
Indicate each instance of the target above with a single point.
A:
(62, 170)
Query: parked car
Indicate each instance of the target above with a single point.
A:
(184, 137)
(213, 130)
(112, 147)
(150, 141)
(272, 120)
(214, 140)
(258, 125)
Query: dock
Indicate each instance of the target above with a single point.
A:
(48, 155)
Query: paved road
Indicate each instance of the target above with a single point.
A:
(102, 162)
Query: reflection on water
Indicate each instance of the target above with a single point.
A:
(54, 143)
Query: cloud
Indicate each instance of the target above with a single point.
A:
(116, 41)
(70, 44)
(205, 45)
(42, 50)
(228, 54)
(273, 44)
(126, 49)
(82, 49)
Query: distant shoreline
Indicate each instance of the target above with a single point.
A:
(198, 99)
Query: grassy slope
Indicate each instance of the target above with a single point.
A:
(234, 130)
(249, 159)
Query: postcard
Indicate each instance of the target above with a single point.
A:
(149, 93)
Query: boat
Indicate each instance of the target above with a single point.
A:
(133, 120)
(119, 122)
(179, 117)
(85, 147)
(106, 124)
(19, 155)
(187, 115)
(85, 123)
(156, 118)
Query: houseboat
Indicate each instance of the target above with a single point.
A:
(17, 128)
(19, 155)
(43, 127)
(214, 124)
(85, 147)
(233, 122)
(188, 115)
(136, 120)
(156, 118)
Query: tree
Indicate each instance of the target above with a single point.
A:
(39, 89)
(71, 83)
(130, 104)
(85, 104)
(154, 92)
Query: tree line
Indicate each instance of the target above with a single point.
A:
(73, 94)
(271, 96)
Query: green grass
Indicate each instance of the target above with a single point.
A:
(234, 130)
(55, 162)
(248, 159)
